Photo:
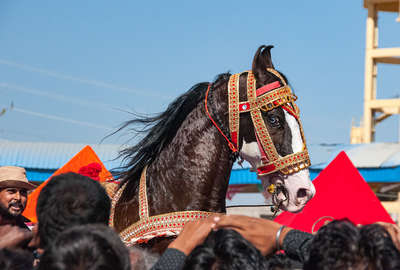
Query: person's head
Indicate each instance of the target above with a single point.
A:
(225, 249)
(377, 246)
(86, 247)
(14, 188)
(142, 259)
(281, 261)
(342, 245)
(335, 246)
(15, 259)
(70, 199)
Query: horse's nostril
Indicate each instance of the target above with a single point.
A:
(302, 192)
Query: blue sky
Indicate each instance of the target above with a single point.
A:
(73, 68)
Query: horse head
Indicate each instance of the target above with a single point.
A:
(275, 147)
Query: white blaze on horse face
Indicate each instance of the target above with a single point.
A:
(298, 185)
(297, 139)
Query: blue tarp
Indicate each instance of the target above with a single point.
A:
(377, 162)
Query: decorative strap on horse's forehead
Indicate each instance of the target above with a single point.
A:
(268, 87)
(277, 74)
(233, 85)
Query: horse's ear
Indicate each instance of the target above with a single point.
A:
(262, 60)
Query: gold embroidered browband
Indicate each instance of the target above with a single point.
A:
(170, 224)
(266, 98)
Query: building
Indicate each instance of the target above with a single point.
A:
(376, 110)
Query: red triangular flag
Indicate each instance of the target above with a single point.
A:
(341, 193)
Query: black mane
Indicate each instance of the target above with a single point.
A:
(160, 129)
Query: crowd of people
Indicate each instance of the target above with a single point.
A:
(72, 233)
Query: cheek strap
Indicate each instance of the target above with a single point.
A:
(264, 157)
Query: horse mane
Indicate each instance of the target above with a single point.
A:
(160, 130)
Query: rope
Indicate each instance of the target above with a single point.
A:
(230, 144)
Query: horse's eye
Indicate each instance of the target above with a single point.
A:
(273, 120)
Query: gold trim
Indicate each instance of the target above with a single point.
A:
(258, 121)
(277, 74)
(143, 204)
(149, 227)
(233, 107)
(158, 225)
(114, 201)
(270, 100)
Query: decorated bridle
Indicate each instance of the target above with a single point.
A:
(265, 98)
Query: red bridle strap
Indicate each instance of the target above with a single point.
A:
(230, 144)
(292, 111)
(266, 88)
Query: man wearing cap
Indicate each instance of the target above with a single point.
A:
(14, 187)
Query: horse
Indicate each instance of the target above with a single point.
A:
(180, 169)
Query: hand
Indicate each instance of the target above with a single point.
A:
(394, 232)
(193, 234)
(13, 236)
(260, 232)
(35, 241)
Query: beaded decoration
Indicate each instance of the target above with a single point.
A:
(169, 224)
(266, 98)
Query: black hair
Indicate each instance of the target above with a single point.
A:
(86, 247)
(281, 261)
(342, 245)
(70, 199)
(160, 129)
(15, 259)
(225, 249)
(377, 245)
(335, 246)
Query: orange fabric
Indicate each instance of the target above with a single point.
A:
(83, 158)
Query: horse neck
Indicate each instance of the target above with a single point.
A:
(192, 173)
